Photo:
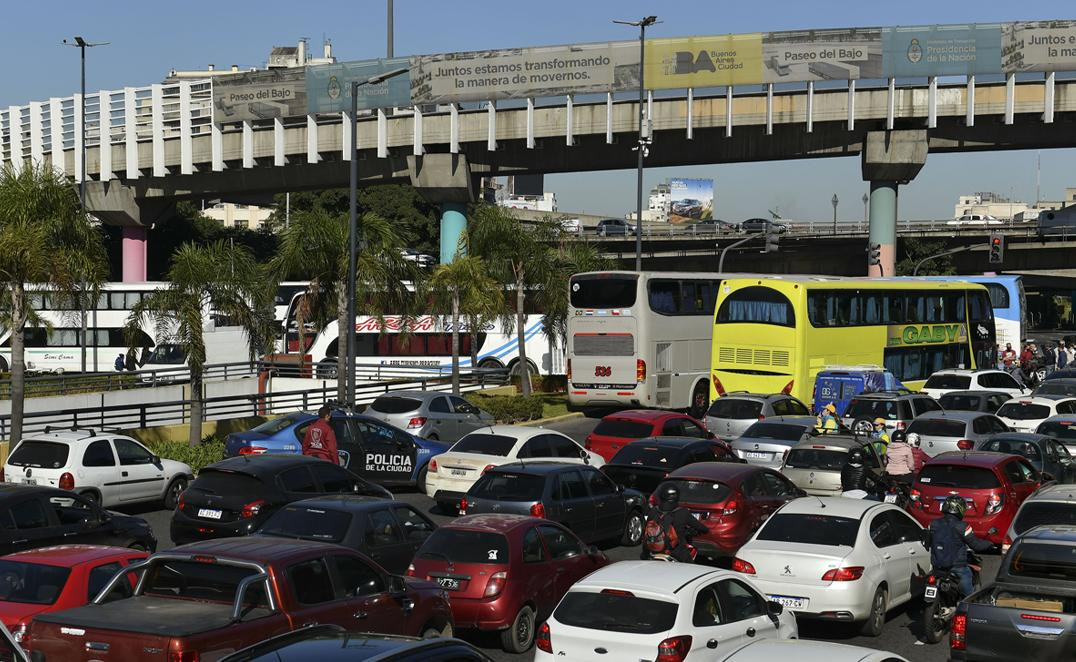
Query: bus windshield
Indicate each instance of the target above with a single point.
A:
(604, 291)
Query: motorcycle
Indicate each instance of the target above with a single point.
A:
(941, 596)
(669, 558)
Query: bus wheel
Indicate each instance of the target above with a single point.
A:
(514, 371)
(699, 400)
(327, 370)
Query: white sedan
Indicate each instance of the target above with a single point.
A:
(1025, 414)
(451, 474)
(645, 610)
(767, 650)
(838, 559)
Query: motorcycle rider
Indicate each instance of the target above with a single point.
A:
(950, 538)
(855, 475)
(901, 465)
(672, 517)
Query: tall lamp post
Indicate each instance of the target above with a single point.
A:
(866, 214)
(834, 200)
(642, 25)
(353, 222)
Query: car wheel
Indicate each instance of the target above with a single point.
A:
(420, 483)
(3, 365)
(863, 426)
(175, 488)
(872, 627)
(92, 497)
(699, 400)
(519, 637)
(633, 529)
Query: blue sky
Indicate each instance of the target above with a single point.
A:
(150, 38)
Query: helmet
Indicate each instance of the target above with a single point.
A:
(899, 436)
(954, 506)
(913, 439)
(670, 496)
(879, 421)
(855, 457)
(831, 408)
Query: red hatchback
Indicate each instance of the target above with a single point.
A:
(49, 579)
(731, 500)
(504, 572)
(992, 484)
(620, 429)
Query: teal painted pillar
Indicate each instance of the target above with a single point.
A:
(883, 226)
(453, 223)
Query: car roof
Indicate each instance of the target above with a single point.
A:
(983, 393)
(643, 415)
(965, 371)
(71, 436)
(1029, 437)
(659, 578)
(1055, 492)
(668, 442)
(329, 639)
(257, 465)
(754, 396)
(1060, 417)
(987, 459)
(951, 414)
(491, 523)
(349, 502)
(723, 471)
(888, 395)
(1038, 400)
(519, 432)
(845, 441)
(835, 506)
(805, 650)
(791, 419)
(536, 467)
(70, 555)
(17, 490)
(253, 548)
(425, 396)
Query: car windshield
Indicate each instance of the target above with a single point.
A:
(508, 486)
(226, 483)
(938, 427)
(307, 523)
(643, 454)
(31, 583)
(735, 408)
(809, 529)
(1023, 411)
(462, 546)
(953, 382)
(816, 458)
(954, 402)
(615, 611)
(958, 475)
(42, 454)
(194, 580)
(1037, 513)
(872, 409)
(1043, 561)
(277, 424)
(618, 427)
(393, 404)
(1064, 430)
(780, 431)
(166, 353)
(698, 491)
(485, 444)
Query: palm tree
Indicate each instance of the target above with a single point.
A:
(466, 289)
(217, 277)
(315, 246)
(570, 256)
(45, 240)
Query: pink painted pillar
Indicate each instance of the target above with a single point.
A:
(134, 253)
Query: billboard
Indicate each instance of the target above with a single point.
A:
(329, 86)
(519, 73)
(804, 55)
(691, 200)
(734, 59)
(1038, 46)
(941, 50)
(259, 95)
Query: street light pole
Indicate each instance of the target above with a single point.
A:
(866, 214)
(834, 201)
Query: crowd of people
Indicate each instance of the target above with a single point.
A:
(1026, 364)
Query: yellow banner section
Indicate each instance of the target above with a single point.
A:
(734, 59)
(900, 335)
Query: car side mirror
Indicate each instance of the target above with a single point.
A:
(584, 455)
(593, 552)
(397, 587)
(1045, 477)
(156, 460)
(775, 608)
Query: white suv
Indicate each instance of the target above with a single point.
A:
(944, 381)
(109, 469)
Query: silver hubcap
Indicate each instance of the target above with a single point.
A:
(524, 629)
(635, 528)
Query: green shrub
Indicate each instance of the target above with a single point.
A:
(209, 451)
(510, 408)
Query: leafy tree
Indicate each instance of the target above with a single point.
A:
(217, 277)
(570, 256)
(915, 249)
(45, 240)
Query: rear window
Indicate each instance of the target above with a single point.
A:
(603, 291)
(1037, 513)
(43, 454)
(308, 523)
(278, 424)
(938, 427)
(810, 529)
(887, 409)
(816, 458)
(960, 402)
(699, 491)
(226, 483)
(955, 382)
(781, 431)
(616, 427)
(485, 444)
(615, 612)
(1019, 411)
(640, 454)
(1056, 388)
(1044, 561)
(505, 486)
(31, 583)
(389, 404)
(958, 475)
(735, 408)
(211, 582)
(1065, 430)
(465, 546)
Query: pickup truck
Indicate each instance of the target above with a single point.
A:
(202, 601)
(1029, 612)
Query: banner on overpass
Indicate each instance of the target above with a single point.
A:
(691, 200)
(733, 59)
(1038, 46)
(803, 55)
(259, 95)
(941, 50)
(519, 73)
(329, 86)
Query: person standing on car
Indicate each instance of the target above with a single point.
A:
(950, 538)
(901, 464)
(320, 440)
(669, 527)
(826, 421)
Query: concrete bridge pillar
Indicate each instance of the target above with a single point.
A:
(890, 158)
(445, 179)
(453, 224)
(134, 253)
(116, 204)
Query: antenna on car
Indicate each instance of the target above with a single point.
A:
(820, 501)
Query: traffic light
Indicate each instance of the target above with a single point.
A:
(772, 240)
(874, 254)
(997, 249)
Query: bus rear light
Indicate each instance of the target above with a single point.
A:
(568, 369)
(640, 371)
(717, 385)
(788, 387)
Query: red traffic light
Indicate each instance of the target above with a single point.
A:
(995, 241)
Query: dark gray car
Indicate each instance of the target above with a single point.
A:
(578, 496)
(984, 401)
(1056, 388)
(429, 414)
(1045, 453)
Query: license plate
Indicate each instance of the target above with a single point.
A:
(891, 498)
(449, 583)
(457, 472)
(209, 513)
(931, 592)
(755, 455)
(29, 481)
(790, 602)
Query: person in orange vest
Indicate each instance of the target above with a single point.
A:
(320, 440)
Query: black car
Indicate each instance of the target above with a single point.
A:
(1045, 453)
(615, 226)
(235, 496)
(714, 225)
(1065, 387)
(755, 225)
(389, 532)
(986, 401)
(578, 496)
(332, 643)
(39, 516)
(642, 464)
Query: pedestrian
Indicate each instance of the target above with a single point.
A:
(320, 440)
(1070, 353)
(132, 361)
(1062, 355)
(1025, 358)
(118, 365)
(1008, 357)
(1049, 358)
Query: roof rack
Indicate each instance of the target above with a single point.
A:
(49, 429)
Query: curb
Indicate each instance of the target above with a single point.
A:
(552, 419)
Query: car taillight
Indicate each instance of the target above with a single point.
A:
(67, 482)
(958, 635)
(640, 371)
(849, 574)
(495, 584)
(1007, 542)
(586, 443)
(718, 387)
(914, 495)
(739, 565)
(252, 450)
(410, 570)
(463, 506)
(1041, 618)
(965, 444)
(487, 468)
(542, 640)
(416, 422)
(994, 503)
(730, 508)
(183, 656)
(900, 425)
(181, 502)
(251, 509)
(433, 466)
(761, 417)
(653, 502)
(538, 510)
(674, 649)
(931, 579)
(788, 387)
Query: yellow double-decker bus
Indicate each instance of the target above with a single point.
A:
(774, 334)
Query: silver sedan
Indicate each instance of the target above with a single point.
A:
(429, 414)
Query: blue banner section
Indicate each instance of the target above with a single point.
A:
(329, 86)
(941, 50)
